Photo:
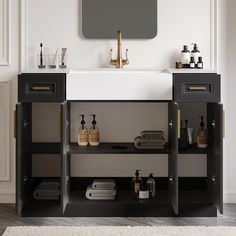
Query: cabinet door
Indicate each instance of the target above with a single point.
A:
(173, 157)
(65, 168)
(215, 153)
(23, 159)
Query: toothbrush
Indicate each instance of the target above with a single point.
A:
(63, 56)
(54, 60)
(41, 54)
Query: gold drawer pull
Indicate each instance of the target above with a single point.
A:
(179, 123)
(14, 124)
(40, 88)
(202, 88)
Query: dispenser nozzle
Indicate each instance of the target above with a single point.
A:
(82, 119)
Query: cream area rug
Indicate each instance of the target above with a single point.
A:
(120, 231)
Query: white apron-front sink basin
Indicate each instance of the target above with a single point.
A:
(123, 85)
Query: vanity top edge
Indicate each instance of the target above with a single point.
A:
(109, 70)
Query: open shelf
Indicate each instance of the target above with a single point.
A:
(193, 150)
(44, 148)
(124, 205)
(113, 148)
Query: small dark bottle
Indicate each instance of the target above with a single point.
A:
(200, 63)
(192, 63)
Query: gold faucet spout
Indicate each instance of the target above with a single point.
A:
(119, 62)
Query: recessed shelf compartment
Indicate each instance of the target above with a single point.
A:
(39, 208)
(113, 148)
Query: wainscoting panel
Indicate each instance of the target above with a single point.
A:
(4, 32)
(4, 132)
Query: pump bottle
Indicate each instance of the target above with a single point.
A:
(202, 135)
(136, 183)
(83, 133)
(94, 133)
(195, 53)
(151, 184)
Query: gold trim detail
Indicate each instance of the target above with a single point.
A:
(223, 121)
(60, 124)
(204, 88)
(179, 123)
(40, 88)
(15, 124)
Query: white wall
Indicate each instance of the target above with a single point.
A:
(58, 22)
(8, 73)
(228, 47)
(177, 25)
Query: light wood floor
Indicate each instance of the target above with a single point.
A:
(8, 218)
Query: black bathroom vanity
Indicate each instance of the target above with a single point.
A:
(176, 196)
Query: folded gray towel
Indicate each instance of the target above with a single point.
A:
(104, 184)
(141, 143)
(152, 134)
(40, 194)
(49, 184)
(99, 194)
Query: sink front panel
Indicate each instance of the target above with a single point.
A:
(119, 85)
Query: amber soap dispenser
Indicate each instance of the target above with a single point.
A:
(83, 133)
(94, 138)
(202, 135)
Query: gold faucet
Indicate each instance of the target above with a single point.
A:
(119, 62)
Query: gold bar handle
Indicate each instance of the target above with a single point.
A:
(15, 124)
(42, 88)
(179, 123)
(223, 121)
(60, 125)
(197, 88)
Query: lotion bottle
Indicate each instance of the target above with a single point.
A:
(83, 133)
(94, 139)
(195, 53)
(185, 57)
(151, 184)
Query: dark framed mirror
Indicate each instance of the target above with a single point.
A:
(137, 19)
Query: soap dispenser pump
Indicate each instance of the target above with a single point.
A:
(83, 133)
(94, 133)
(202, 135)
(195, 53)
(136, 183)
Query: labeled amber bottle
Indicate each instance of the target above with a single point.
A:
(83, 133)
(94, 136)
(136, 183)
(202, 135)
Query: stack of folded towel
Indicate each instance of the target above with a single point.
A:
(150, 140)
(48, 189)
(101, 189)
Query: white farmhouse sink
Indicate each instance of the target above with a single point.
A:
(121, 85)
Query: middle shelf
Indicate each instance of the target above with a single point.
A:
(107, 148)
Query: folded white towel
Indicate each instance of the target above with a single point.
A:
(48, 184)
(104, 184)
(40, 194)
(100, 194)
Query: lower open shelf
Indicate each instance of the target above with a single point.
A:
(194, 201)
(124, 205)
